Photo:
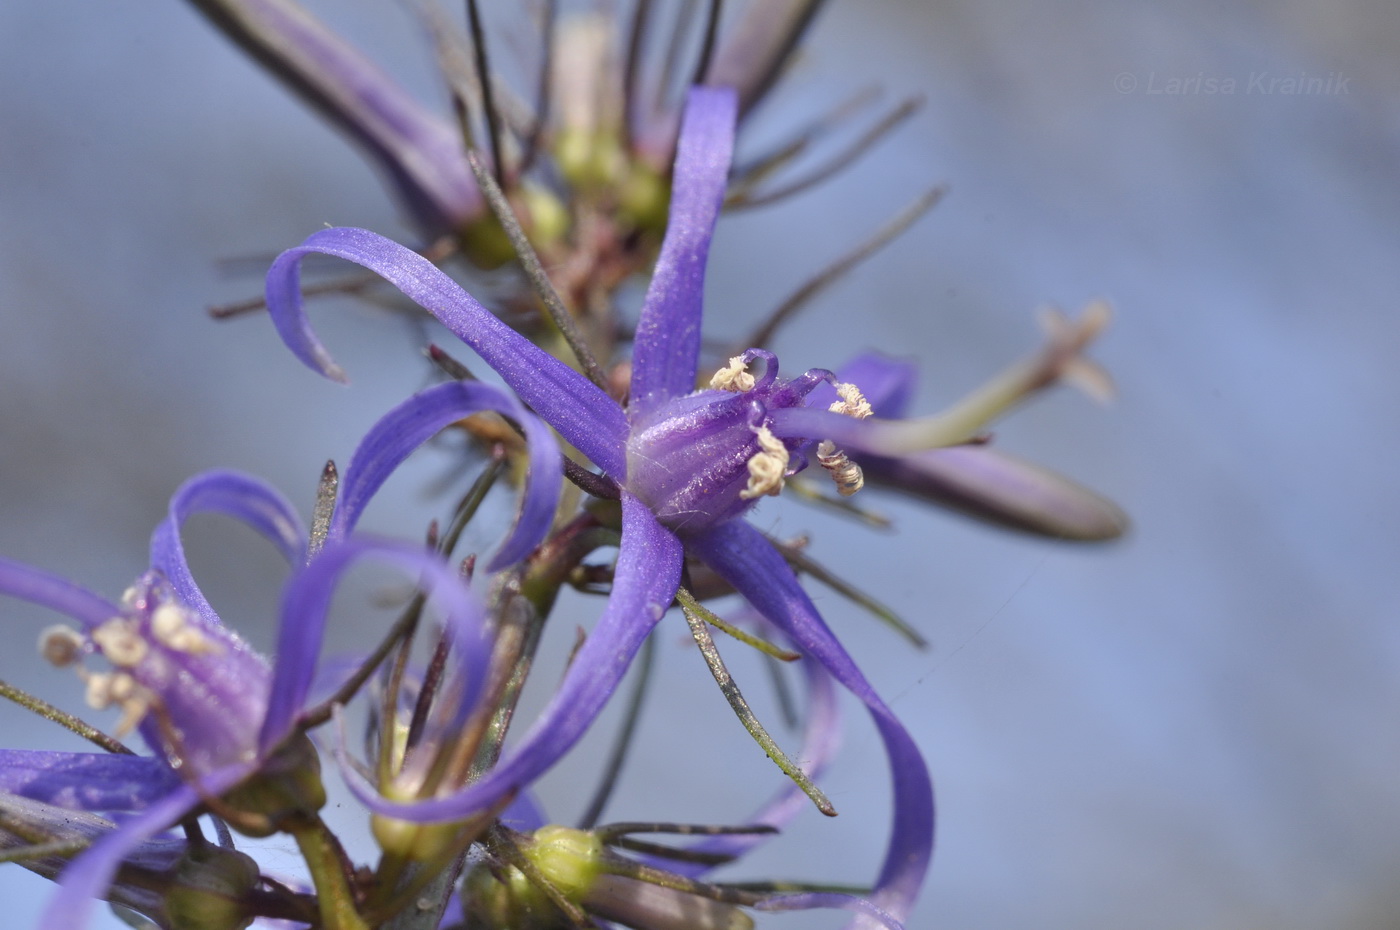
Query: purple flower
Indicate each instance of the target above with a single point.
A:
(211, 708)
(689, 465)
(977, 479)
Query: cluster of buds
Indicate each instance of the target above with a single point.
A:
(622, 168)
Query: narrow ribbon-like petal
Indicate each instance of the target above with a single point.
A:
(573, 405)
(233, 494)
(86, 879)
(667, 346)
(307, 599)
(647, 576)
(420, 152)
(741, 555)
(86, 781)
(39, 587)
(421, 417)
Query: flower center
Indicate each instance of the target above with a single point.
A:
(709, 456)
(196, 690)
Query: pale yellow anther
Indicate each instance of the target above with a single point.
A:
(167, 620)
(99, 691)
(104, 690)
(733, 377)
(847, 474)
(121, 641)
(107, 688)
(61, 645)
(852, 402)
(768, 467)
(171, 626)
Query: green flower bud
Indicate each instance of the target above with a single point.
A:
(416, 841)
(576, 864)
(544, 218)
(289, 785)
(210, 890)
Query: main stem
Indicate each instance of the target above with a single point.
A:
(323, 859)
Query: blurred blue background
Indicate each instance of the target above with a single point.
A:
(1196, 726)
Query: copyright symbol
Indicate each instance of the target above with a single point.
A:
(1125, 82)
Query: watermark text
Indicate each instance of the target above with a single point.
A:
(1252, 84)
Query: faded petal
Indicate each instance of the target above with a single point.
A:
(590, 420)
(421, 417)
(990, 485)
(667, 346)
(420, 153)
(741, 555)
(977, 480)
(751, 55)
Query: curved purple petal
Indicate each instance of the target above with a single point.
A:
(233, 494)
(421, 417)
(741, 555)
(667, 346)
(87, 877)
(39, 587)
(648, 574)
(86, 781)
(846, 902)
(307, 599)
(569, 402)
